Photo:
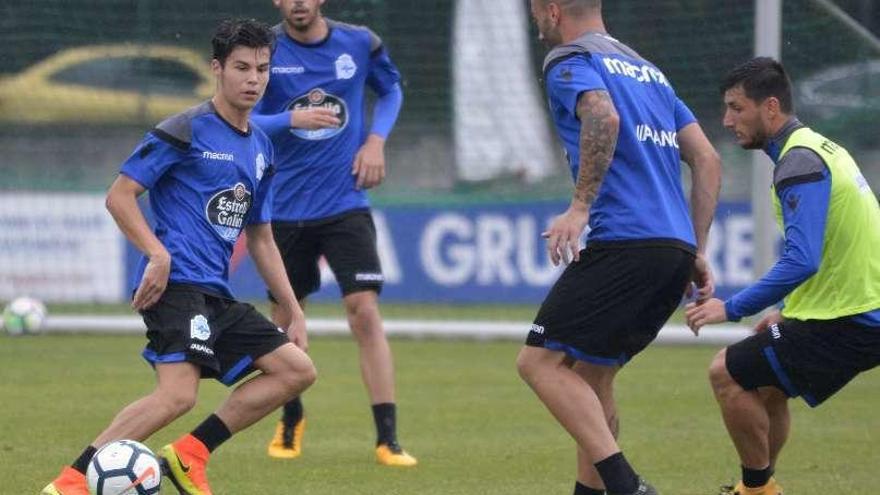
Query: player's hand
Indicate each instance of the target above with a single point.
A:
(314, 118)
(706, 312)
(369, 164)
(702, 279)
(296, 329)
(771, 318)
(153, 282)
(564, 234)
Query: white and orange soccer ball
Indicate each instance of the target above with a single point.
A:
(124, 467)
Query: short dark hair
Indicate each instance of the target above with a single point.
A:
(232, 33)
(761, 78)
(577, 7)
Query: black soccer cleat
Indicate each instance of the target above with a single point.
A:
(644, 488)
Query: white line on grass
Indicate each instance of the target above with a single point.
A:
(458, 329)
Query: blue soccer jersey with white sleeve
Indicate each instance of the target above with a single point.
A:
(314, 179)
(207, 180)
(641, 197)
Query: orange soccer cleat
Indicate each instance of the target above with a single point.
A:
(185, 462)
(69, 482)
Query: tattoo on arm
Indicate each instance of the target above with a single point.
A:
(598, 139)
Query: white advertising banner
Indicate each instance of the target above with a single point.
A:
(59, 247)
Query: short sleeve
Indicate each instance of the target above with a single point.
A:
(568, 79)
(150, 160)
(683, 115)
(261, 211)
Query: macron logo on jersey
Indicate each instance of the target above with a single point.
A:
(663, 139)
(641, 73)
(211, 155)
(296, 69)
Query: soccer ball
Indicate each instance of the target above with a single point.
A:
(124, 467)
(24, 315)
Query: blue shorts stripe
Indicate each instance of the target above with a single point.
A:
(770, 354)
(234, 373)
(582, 356)
(810, 400)
(152, 357)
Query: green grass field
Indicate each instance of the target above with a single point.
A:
(475, 427)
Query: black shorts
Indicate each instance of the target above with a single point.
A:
(347, 241)
(222, 336)
(811, 359)
(610, 305)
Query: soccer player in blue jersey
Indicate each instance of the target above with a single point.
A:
(828, 278)
(327, 157)
(625, 132)
(209, 172)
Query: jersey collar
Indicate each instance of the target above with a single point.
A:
(777, 143)
(228, 124)
(315, 44)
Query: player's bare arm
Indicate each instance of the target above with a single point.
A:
(266, 256)
(369, 163)
(314, 118)
(123, 206)
(705, 165)
(600, 125)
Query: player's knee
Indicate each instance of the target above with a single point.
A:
(364, 318)
(302, 380)
(526, 365)
(604, 388)
(775, 400)
(177, 402)
(299, 375)
(719, 377)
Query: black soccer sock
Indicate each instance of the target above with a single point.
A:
(385, 416)
(293, 412)
(212, 432)
(580, 489)
(754, 478)
(618, 476)
(81, 463)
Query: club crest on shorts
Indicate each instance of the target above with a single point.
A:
(345, 67)
(199, 329)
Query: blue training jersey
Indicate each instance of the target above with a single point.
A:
(314, 179)
(641, 197)
(207, 181)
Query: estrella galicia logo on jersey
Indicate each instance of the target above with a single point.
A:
(261, 166)
(345, 67)
(199, 328)
(227, 210)
(318, 98)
